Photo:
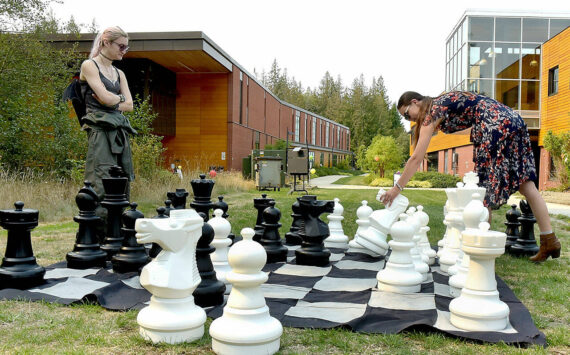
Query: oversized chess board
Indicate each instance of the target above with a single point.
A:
(343, 294)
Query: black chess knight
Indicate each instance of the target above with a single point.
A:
(87, 251)
(312, 251)
(19, 268)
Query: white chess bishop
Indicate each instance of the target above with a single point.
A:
(222, 229)
(479, 308)
(172, 316)
(363, 213)
(337, 238)
(374, 237)
(246, 326)
(400, 275)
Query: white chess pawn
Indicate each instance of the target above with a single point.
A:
(421, 266)
(363, 213)
(172, 316)
(473, 214)
(222, 229)
(400, 275)
(246, 326)
(424, 244)
(479, 308)
(337, 238)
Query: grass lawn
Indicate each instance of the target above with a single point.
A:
(36, 327)
(351, 180)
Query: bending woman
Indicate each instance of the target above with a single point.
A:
(501, 151)
(106, 95)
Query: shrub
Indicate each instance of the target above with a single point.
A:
(417, 183)
(436, 179)
(324, 171)
(558, 145)
(384, 182)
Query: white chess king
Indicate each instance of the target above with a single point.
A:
(172, 316)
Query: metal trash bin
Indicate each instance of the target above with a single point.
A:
(268, 172)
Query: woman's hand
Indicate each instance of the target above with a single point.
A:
(389, 196)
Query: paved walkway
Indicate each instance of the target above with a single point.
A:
(326, 182)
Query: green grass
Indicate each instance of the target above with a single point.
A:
(351, 180)
(39, 327)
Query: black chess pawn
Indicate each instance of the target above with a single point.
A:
(513, 225)
(202, 189)
(86, 252)
(526, 243)
(210, 291)
(292, 237)
(115, 201)
(271, 240)
(168, 207)
(312, 251)
(132, 256)
(178, 199)
(260, 204)
(155, 249)
(222, 205)
(19, 268)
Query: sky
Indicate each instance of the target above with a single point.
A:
(402, 41)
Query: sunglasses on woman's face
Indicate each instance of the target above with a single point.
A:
(122, 47)
(406, 114)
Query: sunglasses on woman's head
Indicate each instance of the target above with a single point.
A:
(122, 47)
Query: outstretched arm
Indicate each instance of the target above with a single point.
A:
(412, 164)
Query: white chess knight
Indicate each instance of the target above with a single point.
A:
(424, 245)
(246, 326)
(363, 213)
(337, 238)
(473, 214)
(479, 308)
(380, 221)
(222, 229)
(172, 316)
(400, 275)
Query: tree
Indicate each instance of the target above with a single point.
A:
(36, 128)
(383, 154)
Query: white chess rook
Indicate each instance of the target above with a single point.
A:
(374, 238)
(400, 275)
(171, 278)
(222, 229)
(479, 308)
(246, 326)
(337, 238)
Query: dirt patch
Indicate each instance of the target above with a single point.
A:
(556, 197)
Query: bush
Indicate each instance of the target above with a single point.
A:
(324, 171)
(558, 145)
(417, 183)
(436, 179)
(384, 182)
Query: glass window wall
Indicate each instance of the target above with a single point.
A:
(507, 92)
(530, 61)
(481, 28)
(529, 95)
(535, 30)
(557, 26)
(480, 60)
(507, 57)
(508, 29)
(481, 86)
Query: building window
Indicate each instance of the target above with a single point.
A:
(551, 168)
(256, 138)
(445, 161)
(240, 98)
(305, 141)
(553, 81)
(314, 132)
(432, 159)
(297, 125)
(338, 138)
(327, 134)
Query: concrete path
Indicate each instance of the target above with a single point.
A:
(326, 182)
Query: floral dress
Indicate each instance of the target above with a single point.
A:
(501, 145)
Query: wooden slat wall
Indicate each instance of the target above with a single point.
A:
(201, 119)
(445, 141)
(555, 109)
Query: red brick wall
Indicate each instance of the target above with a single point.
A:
(272, 113)
(545, 182)
(256, 106)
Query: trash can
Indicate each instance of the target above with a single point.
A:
(268, 172)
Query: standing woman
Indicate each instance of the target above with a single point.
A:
(106, 95)
(501, 151)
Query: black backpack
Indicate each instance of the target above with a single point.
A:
(74, 94)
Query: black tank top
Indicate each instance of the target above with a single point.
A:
(90, 102)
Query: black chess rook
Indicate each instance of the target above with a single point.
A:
(87, 251)
(526, 243)
(312, 251)
(202, 189)
(513, 226)
(115, 201)
(19, 268)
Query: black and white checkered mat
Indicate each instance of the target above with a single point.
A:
(343, 294)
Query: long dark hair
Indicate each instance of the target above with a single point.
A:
(425, 105)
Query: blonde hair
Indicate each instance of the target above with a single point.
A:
(110, 34)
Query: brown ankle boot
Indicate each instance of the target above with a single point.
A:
(549, 246)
